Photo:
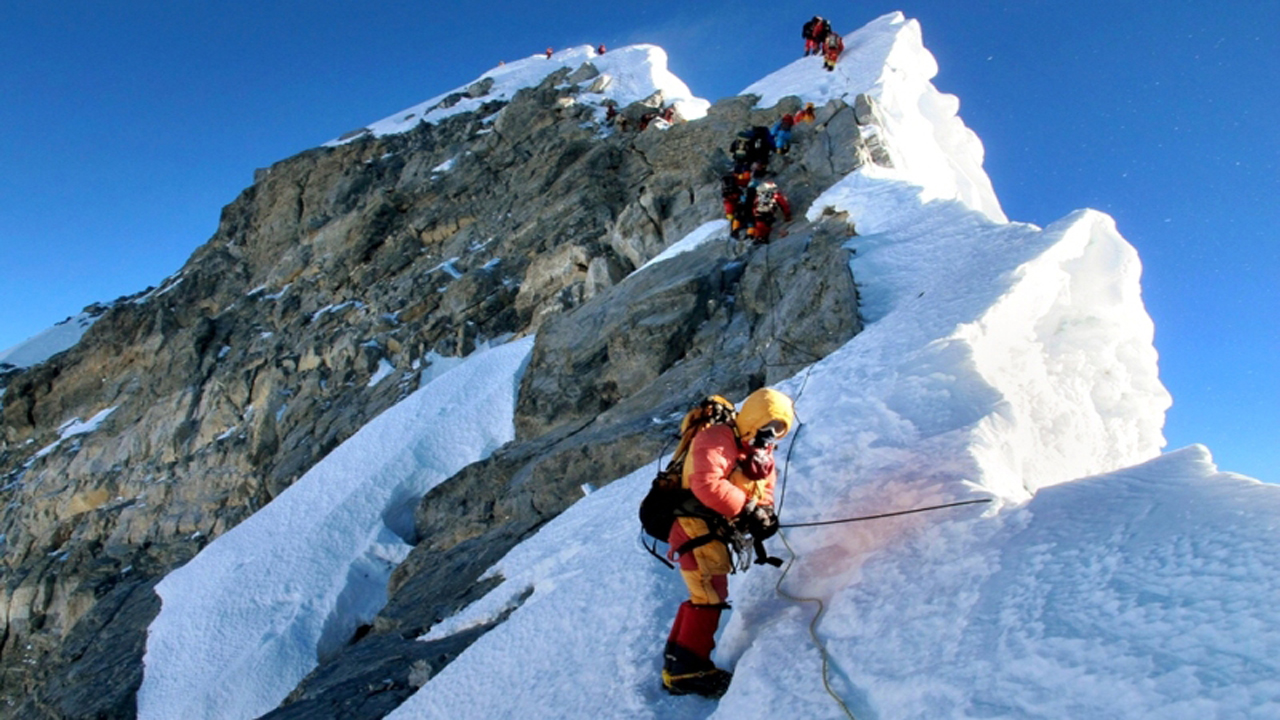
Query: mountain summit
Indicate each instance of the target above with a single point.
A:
(377, 448)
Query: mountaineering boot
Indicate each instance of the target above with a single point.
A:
(687, 666)
(685, 673)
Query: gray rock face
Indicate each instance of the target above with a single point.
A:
(328, 288)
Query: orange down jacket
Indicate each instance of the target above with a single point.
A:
(712, 470)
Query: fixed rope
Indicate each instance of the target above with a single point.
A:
(827, 661)
(816, 523)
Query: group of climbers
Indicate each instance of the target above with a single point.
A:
(751, 200)
(820, 39)
(752, 207)
(715, 498)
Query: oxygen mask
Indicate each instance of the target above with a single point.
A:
(765, 438)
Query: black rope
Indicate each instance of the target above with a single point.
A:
(883, 515)
(786, 465)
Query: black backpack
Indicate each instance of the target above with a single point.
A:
(729, 187)
(760, 144)
(667, 499)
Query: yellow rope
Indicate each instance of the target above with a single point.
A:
(827, 662)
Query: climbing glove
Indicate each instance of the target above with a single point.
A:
(759, 520)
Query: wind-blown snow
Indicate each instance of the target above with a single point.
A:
(928, 142)
(1050, 322)
(46, 344)
(299, 576)
(629, 74)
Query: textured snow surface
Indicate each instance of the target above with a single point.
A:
(999, 360)
(300, 575)
(633, 73)
(928, 405)
(48, 343)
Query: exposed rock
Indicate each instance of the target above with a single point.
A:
(242, 370)
(585, 72)
(607, 384)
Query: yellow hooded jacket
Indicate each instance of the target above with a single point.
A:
(712, 470)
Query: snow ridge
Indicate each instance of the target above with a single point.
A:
(46, 344)
(627, 75)
(929, 143)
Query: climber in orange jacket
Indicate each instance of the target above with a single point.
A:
(730, 470)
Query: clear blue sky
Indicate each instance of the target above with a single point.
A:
(128, 125)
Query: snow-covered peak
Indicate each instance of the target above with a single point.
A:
(50, 342)
(626, 75)
(930, 145)
(999, 360)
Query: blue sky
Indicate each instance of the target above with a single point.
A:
(128, 125)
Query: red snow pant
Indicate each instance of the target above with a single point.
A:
(762, 228)
(705, 570)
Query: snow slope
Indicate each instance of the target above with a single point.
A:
(913, 411)
(999, 360)
(628, 74)
(46, 344)
(300, 575)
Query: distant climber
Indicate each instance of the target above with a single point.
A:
(759, 146)
(730, 193)
(766, 199)
(729, 469)
(814, 32)
(600, 49)
(807, 114)
(735, 210)
(832, 46)
(739, 155)
(549, 53)
(781, 133)
(750, 152)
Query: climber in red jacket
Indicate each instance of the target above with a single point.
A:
(832, 46)
(813, 33)
(766, 200)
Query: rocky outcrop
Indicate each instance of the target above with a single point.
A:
(601, 397)
(329, 288)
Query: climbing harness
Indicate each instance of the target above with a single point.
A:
(667, 499)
